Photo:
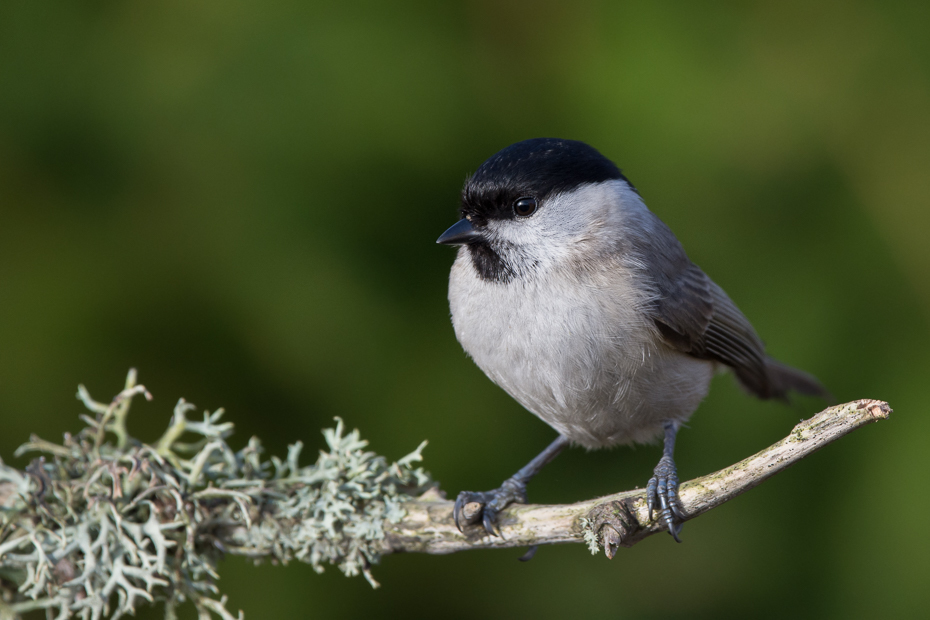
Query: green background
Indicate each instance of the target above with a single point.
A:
(241, 200)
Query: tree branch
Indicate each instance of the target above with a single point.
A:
(621, 519)
(92, 527)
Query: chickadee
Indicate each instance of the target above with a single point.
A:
(578, 301)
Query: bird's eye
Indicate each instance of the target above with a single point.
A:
(525, 206)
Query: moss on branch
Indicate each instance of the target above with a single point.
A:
(94, 527)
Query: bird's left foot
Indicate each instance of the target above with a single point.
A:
(662, 490)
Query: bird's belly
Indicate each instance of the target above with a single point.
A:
(594, 371)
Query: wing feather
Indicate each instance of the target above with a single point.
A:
(696, 316)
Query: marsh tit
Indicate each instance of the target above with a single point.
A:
(578, 301)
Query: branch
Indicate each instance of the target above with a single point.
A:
(102, 526)
(621, 520)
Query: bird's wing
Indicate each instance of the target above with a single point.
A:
(694, 315)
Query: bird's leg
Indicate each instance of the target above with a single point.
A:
(513, 490)
(663, 486)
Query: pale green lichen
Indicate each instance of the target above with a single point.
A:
(92, 528)
(590, 536)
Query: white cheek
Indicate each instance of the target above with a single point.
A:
(563, 226)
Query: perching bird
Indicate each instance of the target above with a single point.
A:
(578, 301)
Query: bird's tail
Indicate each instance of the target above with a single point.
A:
(783, 379)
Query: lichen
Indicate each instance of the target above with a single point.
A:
(102, 522)
(590, 536)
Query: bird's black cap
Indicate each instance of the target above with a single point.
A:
(538, 167)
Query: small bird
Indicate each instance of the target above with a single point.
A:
(571, 295)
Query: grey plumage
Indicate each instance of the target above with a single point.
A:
(588, 311)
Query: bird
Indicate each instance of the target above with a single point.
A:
(578, 301)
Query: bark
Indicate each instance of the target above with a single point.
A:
(620, 519)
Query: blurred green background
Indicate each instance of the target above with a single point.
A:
(241, 200)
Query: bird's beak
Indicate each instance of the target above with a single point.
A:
(460, 233)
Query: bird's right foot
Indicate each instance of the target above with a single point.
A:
(662, 491)
(489, 505)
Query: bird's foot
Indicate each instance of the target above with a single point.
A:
(662, 490)
(486, 506)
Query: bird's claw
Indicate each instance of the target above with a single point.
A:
(662, 489)
(491, 504)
